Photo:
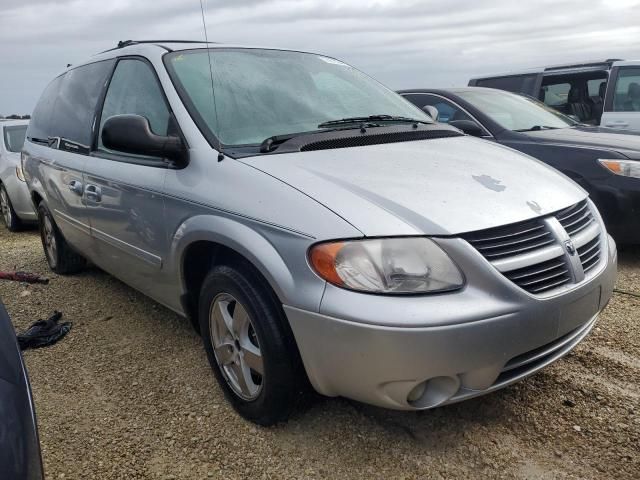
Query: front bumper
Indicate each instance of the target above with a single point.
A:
(414, 353)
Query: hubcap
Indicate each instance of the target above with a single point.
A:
(49, 240)
(4, 206)
(236, 347)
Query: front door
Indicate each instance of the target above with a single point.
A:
(622, 105)
(122, 191)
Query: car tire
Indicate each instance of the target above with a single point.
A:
(62, 259)
(9, 216)
(255, 359)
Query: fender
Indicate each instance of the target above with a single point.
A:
(254, 245)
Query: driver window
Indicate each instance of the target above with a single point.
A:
(134, 89)
(447, 111)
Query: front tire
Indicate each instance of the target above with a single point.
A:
(11, 220)
(62, 259)
(249, 348)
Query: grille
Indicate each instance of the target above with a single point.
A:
(576, 218)
(376, 139)
(590, 254)
(532, 254)
(511, 240)
(540, 277)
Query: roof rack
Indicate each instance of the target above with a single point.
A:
(127, 43)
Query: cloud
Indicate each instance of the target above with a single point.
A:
(402, 43)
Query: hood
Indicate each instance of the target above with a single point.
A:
(625, 142)
(435, 187)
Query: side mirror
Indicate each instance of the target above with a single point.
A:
(132, 134)
(468, 126)
(432, 112)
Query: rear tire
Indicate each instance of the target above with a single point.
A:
(62, 259)
(248, 344)
(9, 216)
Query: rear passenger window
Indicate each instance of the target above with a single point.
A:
(76, 105)
(134, 89)
(627, 93)
(40, 125)
(556, 94)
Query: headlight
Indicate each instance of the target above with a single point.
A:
(20, 173)
(388, 265)
(627, 168)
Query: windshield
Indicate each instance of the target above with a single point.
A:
(14, 137)
(263, 93)
(515, 112)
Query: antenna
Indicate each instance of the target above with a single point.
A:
(213, 92)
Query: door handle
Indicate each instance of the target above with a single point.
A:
(93, 193)
(617, 124)
(75, 186)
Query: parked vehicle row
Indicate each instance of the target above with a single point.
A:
(314, 225)
(605, 162)
(16, 207)
(603, 93)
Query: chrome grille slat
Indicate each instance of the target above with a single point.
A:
(511, 242)
(535, 272)
(549, 286)
(499, 237)
(571, 211)
(516, 251)
(533, 255)
(544, 279)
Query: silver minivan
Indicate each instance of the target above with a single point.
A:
(313, 225)
(16, 208)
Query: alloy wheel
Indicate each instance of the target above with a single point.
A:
(236, 347)
(49, 239)
(4, 207)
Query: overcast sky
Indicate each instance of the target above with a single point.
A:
(403, 43)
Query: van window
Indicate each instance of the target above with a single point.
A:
(41, 127)
(515, 83)
(76, 104)
(134, 90)
(556, 94)
(627, 92)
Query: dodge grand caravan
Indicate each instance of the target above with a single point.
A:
(313, 225)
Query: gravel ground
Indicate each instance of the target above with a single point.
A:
(128, 394)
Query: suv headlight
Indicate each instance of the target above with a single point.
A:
(388, 265)
(627, 168)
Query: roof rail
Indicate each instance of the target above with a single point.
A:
(127, 43)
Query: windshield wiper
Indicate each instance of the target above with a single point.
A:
(372, 119)
(535, 128)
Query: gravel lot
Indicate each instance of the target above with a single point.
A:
(128, 394)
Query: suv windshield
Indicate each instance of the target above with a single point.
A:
(14, 137)
(263, 93)
(515, 112)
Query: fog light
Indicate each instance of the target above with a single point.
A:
(433, 392)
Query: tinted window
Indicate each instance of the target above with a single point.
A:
(627, 93)
(556, 94)
(76, 105)
(14, 137)
(447, 111)
(518, 83)
(41, 126)
(134, 89)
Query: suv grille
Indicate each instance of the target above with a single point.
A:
(533, 254)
